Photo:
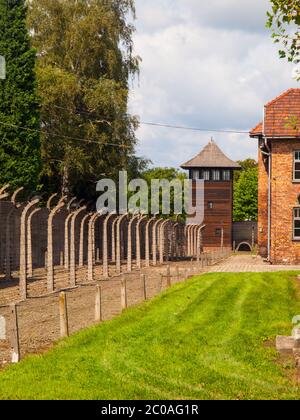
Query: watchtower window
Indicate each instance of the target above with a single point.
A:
(206, 175)
(296, 174)
(296, 224)
(216, 175)
(210, 205)
(195, 175)
(218, 232)
(226, 175)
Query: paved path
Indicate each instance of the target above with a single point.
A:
(249, 263)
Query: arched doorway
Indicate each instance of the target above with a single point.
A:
(244, 247)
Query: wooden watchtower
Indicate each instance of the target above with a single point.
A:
(216, 170)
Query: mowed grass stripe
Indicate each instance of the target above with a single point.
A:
(202, 339)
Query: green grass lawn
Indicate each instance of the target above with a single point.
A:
(203, 339)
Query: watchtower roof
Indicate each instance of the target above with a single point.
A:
(211, 157)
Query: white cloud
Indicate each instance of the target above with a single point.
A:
(205, 64)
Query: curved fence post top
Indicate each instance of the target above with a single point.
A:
(62, 200)
(152, 219)
(134, 217)
(69, 217)
(94, 217)
(4, 188)
(35, 211)
(109, 216)
(141, 219)
(76, 213)
(58, 207)
(14, 196)
(190, 227)
(50, 199)
(3, 193)
(158, 222)
(29, 206)
(70, 202)
(164, 223)
(121, 218)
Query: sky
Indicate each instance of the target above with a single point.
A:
(208, 64)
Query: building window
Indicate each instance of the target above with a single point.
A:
(210, 205)
(296, 225)
(226, 175)
(297, 166)
(195, 175)
(218, 232)
(216, 175)
(206, 175)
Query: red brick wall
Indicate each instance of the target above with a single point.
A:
(262, 206)
(285, 195)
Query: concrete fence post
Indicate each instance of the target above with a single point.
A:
(113, 240)
(72, 272)
(123, 293)
(63, 315)
(67, 242)
(23, 259)
(105, 245)
(50, 267)
(144, 286)
(29, 242)
(118, 243)
(129, 242)
(162, 241)
(98, 304)
(81, 239)
(61, 258)
(91, 244)
(138, 242)
(169, 279)
(14, 340)
(147, 241)
(154, 241)
(16, 205)
(161, 283)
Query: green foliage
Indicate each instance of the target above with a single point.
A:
(245, 165)
(284, 20)
(246, 196)
(164, 173)
(19, 147)
(85, 63)
(169, 174)
(204, 339)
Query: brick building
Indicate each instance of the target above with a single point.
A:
(216, 170)
(279, 179)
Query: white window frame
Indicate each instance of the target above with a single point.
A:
(206, 172)
(216, 175)
(195, 174)
(226, 175)
(296, 160)
(296, 217)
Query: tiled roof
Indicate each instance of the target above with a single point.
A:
(257, 130)
(282, 116)
(211, 157)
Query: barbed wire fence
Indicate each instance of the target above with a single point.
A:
(64, 267)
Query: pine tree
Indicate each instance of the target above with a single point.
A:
(19, 108)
